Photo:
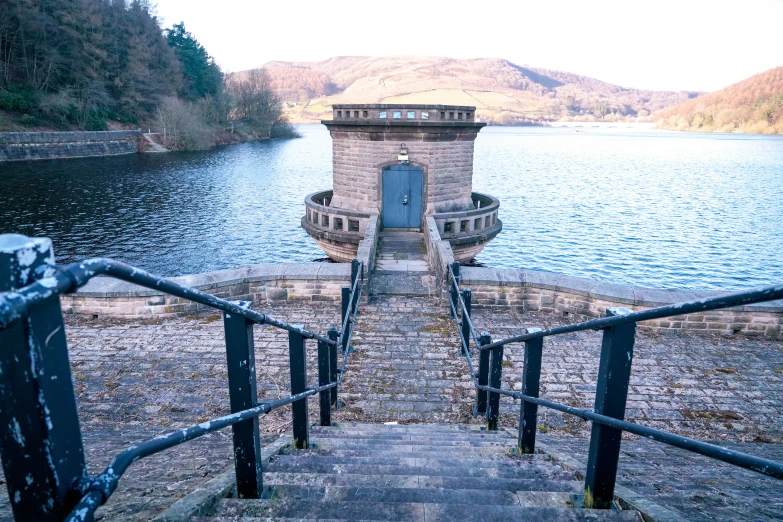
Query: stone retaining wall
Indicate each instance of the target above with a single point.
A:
(18, 146)
(581, 299)
(262, 284)
(439, 253)
(365, 253)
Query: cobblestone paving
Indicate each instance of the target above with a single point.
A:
(139, 379)
(697, 487)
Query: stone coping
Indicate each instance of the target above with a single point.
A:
(110, 287)
(429, 124)
(623, 294)
(493, 204)
(310, 201)
(11, 138)
(403, 106)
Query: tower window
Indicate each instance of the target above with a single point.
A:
(382, 114)
(397, 115)
(411, 115)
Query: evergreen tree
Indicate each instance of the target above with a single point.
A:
(202, 75)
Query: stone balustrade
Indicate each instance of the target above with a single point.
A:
(469, 231)
(338, 231)
(403, 112)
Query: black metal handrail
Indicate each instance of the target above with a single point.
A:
(44, 498)
(612, 417)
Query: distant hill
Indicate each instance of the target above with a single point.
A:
(503, 92)
(754, 105)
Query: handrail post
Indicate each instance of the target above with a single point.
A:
(466, 297)
(345, 305)
(528, 412)
(242, 391)
(298, 366)
(483, 375)
(452, 291)
(41, 441)
(614, 374)
(354, 274)
(324, 378)
(493, 404)
(332, 334)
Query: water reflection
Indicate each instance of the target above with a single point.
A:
(655, 209)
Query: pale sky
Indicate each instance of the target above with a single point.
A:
(662, 44)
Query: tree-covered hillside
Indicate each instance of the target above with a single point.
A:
(97, 64)
(754, 105)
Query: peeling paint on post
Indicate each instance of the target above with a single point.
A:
(241, 362)
(614, 375)
(298, 368)
(528, 412)
(41, 441)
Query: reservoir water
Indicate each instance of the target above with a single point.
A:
(672, 210)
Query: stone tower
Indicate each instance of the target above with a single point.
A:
(402, 163)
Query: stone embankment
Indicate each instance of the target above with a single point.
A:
(18, 146)
(518, 291)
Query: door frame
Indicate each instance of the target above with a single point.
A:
(424, 191)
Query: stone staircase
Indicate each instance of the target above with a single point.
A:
(401, 265)
(422, 472)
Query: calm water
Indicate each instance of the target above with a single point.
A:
(654, 209)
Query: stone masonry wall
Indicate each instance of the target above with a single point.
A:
(448, 167)
(17, 146)
(580, 299)
(261, 284)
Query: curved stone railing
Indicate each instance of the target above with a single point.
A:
(479, 221)
(341, 224)
(338, 231)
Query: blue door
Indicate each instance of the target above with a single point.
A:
(401, 196)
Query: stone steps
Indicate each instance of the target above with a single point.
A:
(296, 509)
(422, 481)
(411, 472)
(409, 452)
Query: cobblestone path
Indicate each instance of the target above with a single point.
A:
(138, 379)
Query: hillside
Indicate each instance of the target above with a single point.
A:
(754, 105)
(503, 92)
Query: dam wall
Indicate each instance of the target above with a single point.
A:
(560, 295)
(20, 146)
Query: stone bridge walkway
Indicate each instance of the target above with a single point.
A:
(139, 379)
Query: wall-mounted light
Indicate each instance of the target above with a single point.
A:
(403, 157)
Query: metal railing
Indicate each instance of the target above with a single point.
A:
(42, 452)
(614, 371)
